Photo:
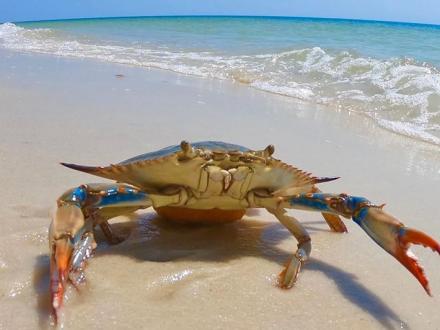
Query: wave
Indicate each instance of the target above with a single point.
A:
(399, 94)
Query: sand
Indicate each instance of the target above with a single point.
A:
(166, 276)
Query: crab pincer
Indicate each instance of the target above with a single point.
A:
(71, 234)
(396, 239)
(388, 232)
(71, 244)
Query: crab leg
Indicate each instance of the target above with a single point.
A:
(290, 273)
(71, 236)
(334, 221)
(392, 235)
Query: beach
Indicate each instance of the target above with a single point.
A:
(165, 275)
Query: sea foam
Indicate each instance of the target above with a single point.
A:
(399, 94)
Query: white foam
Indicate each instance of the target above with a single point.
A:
(409, 129)
(398, 93)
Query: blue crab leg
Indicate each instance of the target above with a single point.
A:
(71, 236)
(334, 221)
(392, 235)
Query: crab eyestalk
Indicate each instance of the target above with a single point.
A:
(69, 236)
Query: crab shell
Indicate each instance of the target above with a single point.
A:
(211, 182)
(216, 176)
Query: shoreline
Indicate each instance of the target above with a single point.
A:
(296, 100)
(397, 89)
(58, 109)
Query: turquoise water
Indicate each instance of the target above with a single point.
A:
(387, 71)
(252, 35)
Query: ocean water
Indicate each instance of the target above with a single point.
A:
(389, 72)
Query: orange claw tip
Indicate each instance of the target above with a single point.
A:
(57, 293)
(56, 305)
(60, 263)
(414, 236)
(409, 236)
(57, 298)
(409, 260)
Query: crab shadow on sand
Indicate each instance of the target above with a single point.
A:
(150, 238)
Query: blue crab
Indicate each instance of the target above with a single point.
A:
(211, 182)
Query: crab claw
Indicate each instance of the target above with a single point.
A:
(59, 267)
(408, 236)
(396, 239)
(71, 243)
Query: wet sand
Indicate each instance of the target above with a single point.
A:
(165, 275)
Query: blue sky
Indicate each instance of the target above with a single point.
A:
(422, 11)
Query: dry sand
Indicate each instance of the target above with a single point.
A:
(167, 276)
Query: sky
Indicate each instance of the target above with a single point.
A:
(421, 11)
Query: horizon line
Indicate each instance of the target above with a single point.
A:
(230, 16)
